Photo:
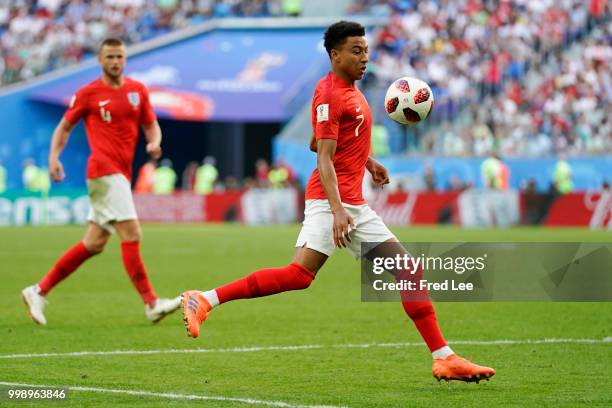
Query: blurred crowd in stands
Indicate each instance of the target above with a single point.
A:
(203, 178)
(161, 177)
(517, 77)
(37, 36)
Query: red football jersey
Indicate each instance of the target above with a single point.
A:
(112, 119)
(341, 112)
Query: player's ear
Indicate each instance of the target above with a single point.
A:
(335, 55)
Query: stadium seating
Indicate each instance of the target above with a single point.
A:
(40, 36)
(523, 78)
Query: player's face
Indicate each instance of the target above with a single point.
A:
(352, 57)
(112, 59)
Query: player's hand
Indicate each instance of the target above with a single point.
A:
(379, 173)
(56, 170)
(313, 143)
(154, 150)
(343, 224)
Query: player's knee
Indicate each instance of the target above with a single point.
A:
(303, 277)
(95, 246)
(129, 231)
(137, 235)
(132, 235)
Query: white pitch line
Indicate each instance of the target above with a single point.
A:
(301, 347)
(172, 395)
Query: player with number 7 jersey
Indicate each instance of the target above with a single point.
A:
(341, 112)
(336, 215)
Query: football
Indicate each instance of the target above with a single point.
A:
(409, 101)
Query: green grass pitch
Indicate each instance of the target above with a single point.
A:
(96, 309)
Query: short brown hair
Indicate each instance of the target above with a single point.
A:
(111, 42)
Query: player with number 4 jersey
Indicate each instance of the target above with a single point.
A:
(114, 108)
(336, 215)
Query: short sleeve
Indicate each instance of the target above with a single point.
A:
(326, 115)
(147, 114)
(77, 107)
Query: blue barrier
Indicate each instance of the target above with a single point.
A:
(588, 172)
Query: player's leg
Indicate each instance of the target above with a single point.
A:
(116, 205)
(298, 275)
(314, 245)
(93, 243)
(446, 365)
(130, 233)
(416, 304)
(269, 281)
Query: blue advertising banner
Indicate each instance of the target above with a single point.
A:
(225, 75)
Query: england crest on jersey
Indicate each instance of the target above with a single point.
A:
(134, 99)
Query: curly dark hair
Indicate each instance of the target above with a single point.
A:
(337, 33)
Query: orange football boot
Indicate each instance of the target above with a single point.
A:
(454, 367)
(195, 311)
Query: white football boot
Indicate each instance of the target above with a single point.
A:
(161, 308)
(35, 302)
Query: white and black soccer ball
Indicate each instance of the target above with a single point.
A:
(409, 101)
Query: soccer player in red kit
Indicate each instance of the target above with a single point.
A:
(113, 108)
(336, 215)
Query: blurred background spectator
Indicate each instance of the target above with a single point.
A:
(188, 179)
(164, 178)
(40, 36)
(144, 181)
(206, 176)
(522, 78)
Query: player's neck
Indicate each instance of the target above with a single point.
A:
(342, 75)
(116, 82)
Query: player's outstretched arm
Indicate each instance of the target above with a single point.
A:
(326, 149)
(153, 135)
(58, 142)
(378, 171)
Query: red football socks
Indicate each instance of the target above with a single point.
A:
(266, 282)
(424, 317)
(130, 253)
(421, 311)
(68, 263)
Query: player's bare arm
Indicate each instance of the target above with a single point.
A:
(58, 142)
(153, 135)
(378, 171)
(326, 148)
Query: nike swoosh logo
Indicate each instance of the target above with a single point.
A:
(102, 103)
(357, 109)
